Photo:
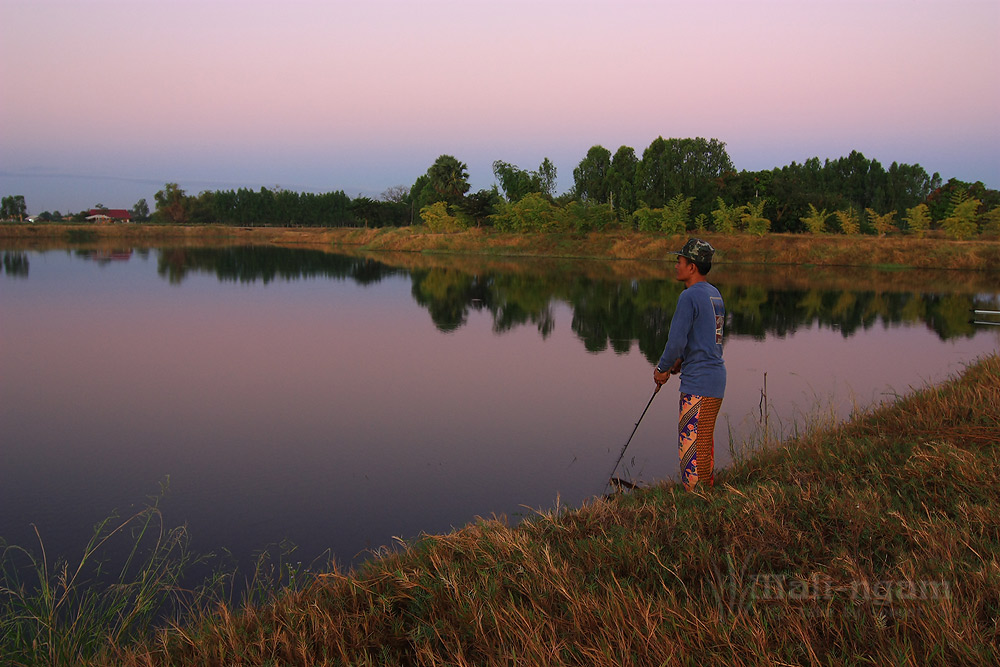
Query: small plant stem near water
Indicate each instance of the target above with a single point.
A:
(763, 410)
(56, 612)
(131, 578)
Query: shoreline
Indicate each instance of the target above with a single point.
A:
(884, 253)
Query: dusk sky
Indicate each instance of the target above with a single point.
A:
(105, 101)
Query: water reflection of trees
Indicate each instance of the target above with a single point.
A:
(105, 256)
(15, 264)
(607, 312)
(248, 264)
(449, 295)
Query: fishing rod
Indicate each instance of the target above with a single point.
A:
(620, 456)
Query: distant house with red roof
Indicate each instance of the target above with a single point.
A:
(108, 215)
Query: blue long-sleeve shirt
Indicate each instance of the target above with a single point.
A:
(696, 337)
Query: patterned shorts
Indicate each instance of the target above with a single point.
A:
(696, 439)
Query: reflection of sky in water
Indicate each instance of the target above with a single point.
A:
(338, 415)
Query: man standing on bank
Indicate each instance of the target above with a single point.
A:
(694, 349)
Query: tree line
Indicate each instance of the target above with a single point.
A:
(680, 185)
(675, 185)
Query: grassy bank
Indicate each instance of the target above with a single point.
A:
(873, 542)
(788, 249)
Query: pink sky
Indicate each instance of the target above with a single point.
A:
(104, 101)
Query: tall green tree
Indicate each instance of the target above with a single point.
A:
(13, 207)
(694, 167)
(788, 198)
(514, 181)
(622, 182)
(861, 182)
(547, 178)
(171, 204)
(421, 194)
(517, 183)
(140, 211)
(907, 186)
(592, 177)
(449, 179)
(201, 209)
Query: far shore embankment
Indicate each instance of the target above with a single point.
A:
(889, 252)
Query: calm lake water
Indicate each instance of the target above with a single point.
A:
(338, 402)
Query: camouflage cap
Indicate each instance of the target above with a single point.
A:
(696, 250)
